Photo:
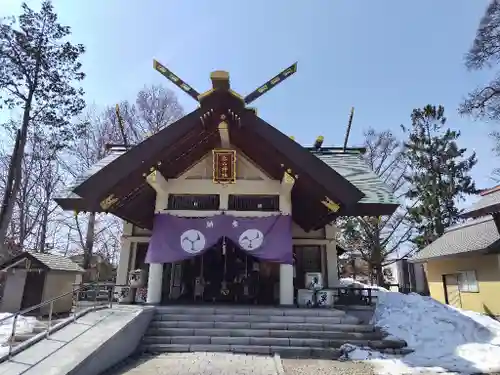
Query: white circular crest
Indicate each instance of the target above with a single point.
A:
(251, 239)
(193, 241)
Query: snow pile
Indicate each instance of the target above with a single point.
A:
(445, 339)
(24, 324)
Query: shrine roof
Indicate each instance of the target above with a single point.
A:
(117, 184)
(348, 163)
(352, 167)
(68, 192)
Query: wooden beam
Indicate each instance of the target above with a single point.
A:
(157, 181)
(288, 181)
(224, 134)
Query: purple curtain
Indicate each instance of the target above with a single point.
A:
(178, 238)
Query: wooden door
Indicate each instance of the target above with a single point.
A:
(452, 292)
(33, 289)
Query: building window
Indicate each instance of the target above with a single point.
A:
(198, 202)
(467, 282)
(254, 202)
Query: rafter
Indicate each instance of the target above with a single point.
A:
(224, 134)
(288, 181)
(157, 181)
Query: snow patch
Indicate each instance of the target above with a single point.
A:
(444, 339)
(24, 324)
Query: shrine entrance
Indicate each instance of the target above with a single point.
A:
(225, 274)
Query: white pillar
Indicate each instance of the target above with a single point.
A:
(122, 271)
(286, 270)
(331, 257)
(331, 265)
(286, 284)
(125, 255)
(155, 281)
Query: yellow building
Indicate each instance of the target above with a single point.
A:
(463, 266)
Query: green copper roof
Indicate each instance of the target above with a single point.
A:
(352, 167)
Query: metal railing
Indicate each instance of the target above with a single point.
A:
(353, 296)
(93, 288)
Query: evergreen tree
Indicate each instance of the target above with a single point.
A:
(484, 54)
(438, 173)
(38, 69)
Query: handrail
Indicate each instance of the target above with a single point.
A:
(50, 302)
(41, 304)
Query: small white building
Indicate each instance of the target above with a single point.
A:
(32, 278)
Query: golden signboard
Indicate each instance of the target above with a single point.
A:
(224, 166)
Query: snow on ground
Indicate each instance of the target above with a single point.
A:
(24, 324)
(445, 339)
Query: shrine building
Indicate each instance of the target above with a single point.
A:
(222, 206)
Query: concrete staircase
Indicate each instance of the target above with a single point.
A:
(291, 332)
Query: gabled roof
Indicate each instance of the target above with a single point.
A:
(52, 262)
(488, 204)
(378, 199)
(472, 236)
(180, 145)
(350, 164)
(68, 193)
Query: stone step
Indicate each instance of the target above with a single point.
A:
(284, 351)
(244, 310)
(218, 332)
(251, 341)
(254, 325)
(346, 319)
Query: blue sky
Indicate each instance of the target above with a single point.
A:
(383, 57)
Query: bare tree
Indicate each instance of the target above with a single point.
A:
(378, 239)
(34, 209)
(38, 68)
(155, 108)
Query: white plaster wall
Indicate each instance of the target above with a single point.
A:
(198, 180)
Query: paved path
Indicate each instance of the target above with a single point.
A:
(201, 364)
(325, 367)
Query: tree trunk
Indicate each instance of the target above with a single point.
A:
(10, 177)
(380, 276)
(14, 179)
(22, 214)
(10, 194)
(89, 244)
(43, 234)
